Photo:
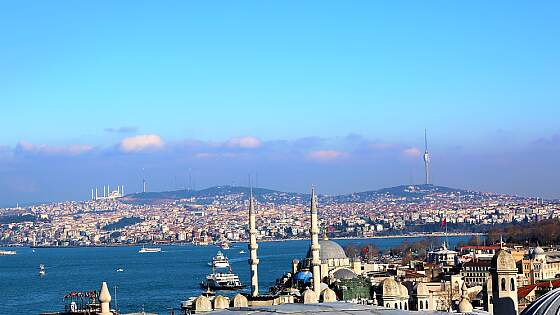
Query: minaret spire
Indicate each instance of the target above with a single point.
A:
(315, 247)
(426, 158)
(253, 260)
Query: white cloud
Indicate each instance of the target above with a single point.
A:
(141, 143)
(72, 150)
(326, 155)
(412, 152)
(248, 142)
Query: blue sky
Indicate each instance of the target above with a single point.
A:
(334, 93)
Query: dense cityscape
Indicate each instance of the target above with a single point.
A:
(218, 214)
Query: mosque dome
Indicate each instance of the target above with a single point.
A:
(391, 288)
(503, 260)
(303, 276)
(546, 304)
(328, 295)
(538, 251)
(465, 306)
(221, 302)
(421, 289)
(344, 274)
(403, 291)
(329, 250)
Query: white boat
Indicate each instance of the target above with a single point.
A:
(222, 281)
(7, 252)
(242, 252)
(120, 270)
(42, 270)
(149, 250)
(219, 261)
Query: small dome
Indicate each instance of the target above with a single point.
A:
(465, 306)
(546, 304)
(503, 260)
(329, 250)
(390, 288)
(403, 291)
(538, 251)
(303, 276)
(344, 274)
(202, 304)
(421, 289)
(221, 302)
(240, 301)
(328, 295)
(309, 297)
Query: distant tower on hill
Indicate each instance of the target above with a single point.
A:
(426, 158)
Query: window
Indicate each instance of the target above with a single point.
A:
(503, 284)
(512, 285)
(421, 304)
(396, 305)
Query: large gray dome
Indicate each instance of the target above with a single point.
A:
(546, 304)
(344, 274)
(329, 250)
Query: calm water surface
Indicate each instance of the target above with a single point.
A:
(155, 281)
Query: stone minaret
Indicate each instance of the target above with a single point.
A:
(315, 247)
(253, 260)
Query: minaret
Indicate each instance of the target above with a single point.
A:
(315, 247)
(426, 158)
(253, 260)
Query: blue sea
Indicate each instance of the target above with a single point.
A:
(157, 282)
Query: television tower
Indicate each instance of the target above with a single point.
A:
(426, 158)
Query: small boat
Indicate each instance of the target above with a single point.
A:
(7, 252)
(149, 250)
(219, 261)
(222, 281)
(42, 270)
(242, 252)
(120, 270)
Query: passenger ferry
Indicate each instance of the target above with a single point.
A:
(7, 252)
(149, 250)
(219, 261)
(42, 270)
(222, 281)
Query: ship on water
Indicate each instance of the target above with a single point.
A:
(144, 250)
(7, 252)
(222, 281)
(219, 261)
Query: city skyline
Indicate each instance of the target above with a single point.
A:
(324, 93)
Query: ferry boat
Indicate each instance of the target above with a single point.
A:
(222, 281)
(149, 250)
(7, 252)
(42, 270)
(219, 261)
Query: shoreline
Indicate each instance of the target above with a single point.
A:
(412, 235)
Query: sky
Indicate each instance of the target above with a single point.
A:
(331, 93)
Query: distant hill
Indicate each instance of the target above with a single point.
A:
(223, 194)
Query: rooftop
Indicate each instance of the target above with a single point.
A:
(322, 308)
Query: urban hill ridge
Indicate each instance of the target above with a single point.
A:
(402, 193)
